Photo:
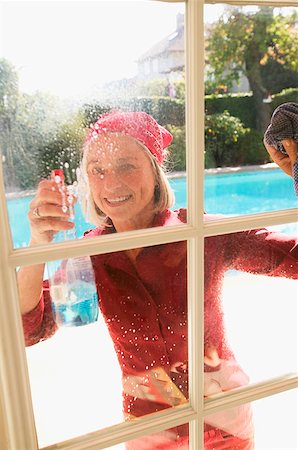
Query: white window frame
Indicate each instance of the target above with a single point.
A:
(17, 427)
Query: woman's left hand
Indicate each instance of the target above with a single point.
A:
(285, 162)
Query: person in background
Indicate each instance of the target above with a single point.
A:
(143, 291)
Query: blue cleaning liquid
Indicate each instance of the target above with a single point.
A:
(79, 306)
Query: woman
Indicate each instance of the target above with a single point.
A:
(142, 291)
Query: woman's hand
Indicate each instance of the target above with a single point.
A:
(285, 162)
(49, 213)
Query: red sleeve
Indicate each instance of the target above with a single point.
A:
(39, 324)
(263, 252)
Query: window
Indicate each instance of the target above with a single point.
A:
(16, 414)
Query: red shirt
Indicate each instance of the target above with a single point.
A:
(145, 306)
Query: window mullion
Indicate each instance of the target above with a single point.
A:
(15, 396)
(250, 393)
(194, 69)
(242, 223)
(100, 244)
(142, 426)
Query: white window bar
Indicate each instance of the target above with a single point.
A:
(16, 414)
(195, 112)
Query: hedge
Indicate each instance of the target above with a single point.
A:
(164, 109)
(238, 105)
(287, 95)
(242, 105)
(168, 110)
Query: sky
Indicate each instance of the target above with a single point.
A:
(64, 46)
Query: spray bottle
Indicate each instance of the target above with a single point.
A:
(72, 281)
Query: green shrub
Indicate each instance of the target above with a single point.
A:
(170, 110)
(164, 109)
(176, 160)
(151, 88)
(251, 150)
(222, 134)
(62, 150)
(91, 112)
(180, 89)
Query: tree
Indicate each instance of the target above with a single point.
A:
(8, 111)
(27, 122)
(277, 78)
(241, 43)
(62, 148)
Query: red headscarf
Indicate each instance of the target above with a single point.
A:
(138, 125)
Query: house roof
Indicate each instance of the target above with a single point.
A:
(172, 43)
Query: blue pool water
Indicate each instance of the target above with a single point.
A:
(230, 193)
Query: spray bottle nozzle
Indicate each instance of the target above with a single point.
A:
(57, 173)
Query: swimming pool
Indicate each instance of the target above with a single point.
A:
(246, 192)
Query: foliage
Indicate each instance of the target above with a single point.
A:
(63, 149)
(158, 87)
(276, 77)
(238, 105)
(287, 95)
(8, 110)
(222, 134)
(91, 112)
(37, 135)
(26, 121)
(237, 145)
(240, 41)
(176, 160)
(8, 90)
(151, 88)
(163, 109)
(251, 150)
(180, 89)
(242, 105)
(244, 42)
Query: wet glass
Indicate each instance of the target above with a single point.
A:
(264, 424)
(240, 176)
(54, 85)
(168, 439)
(131, 362)
(250, 307)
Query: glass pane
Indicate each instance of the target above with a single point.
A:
(250, 307)
(59, 97)
(244, 85)
(269, 423)
(135, 353)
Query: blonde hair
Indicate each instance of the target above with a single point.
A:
(163, 194)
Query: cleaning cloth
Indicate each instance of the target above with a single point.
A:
(284, 125)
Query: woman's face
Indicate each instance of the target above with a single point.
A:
(121, 180)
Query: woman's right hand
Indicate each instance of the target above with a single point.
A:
(47, 215)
